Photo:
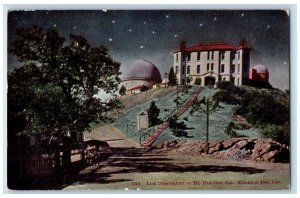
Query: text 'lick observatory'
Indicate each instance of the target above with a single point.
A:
(212, 62)
(141, 73)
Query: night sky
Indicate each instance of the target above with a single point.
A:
(153, 35)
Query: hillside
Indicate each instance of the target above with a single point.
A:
(244, 112)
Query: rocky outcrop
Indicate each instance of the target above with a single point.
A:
(235, 149)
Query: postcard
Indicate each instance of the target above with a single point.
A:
(148, 100)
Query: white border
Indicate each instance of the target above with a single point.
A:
(60, 4)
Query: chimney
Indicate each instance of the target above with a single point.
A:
(243, 43)
(182, 45)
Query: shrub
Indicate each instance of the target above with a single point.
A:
(122, 90)
(279, 133)
(226, 97)
(198, 81)
(225, 85)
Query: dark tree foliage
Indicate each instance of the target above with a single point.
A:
(122, 90)
(153, 114)
(55, 90)
(172, 77)
(144, 88)
(198, 81)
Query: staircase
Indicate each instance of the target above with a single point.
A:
(149, 141)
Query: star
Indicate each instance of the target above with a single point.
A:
(201, 24)
(268, 26)
(167, 16)
(285, 63)
(153, 32)
(130, 30)
(113, 21)
(242, 15)
(144, 22)
(141, 46)
(110, 39)
(215, 18)
(75, 27)
(54, 25)
(175, 35)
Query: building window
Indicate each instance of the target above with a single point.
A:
(189, 57)
(198, 69)
(176, 58)
(239, 55)
(183, 69)
(238, 68)
(212, 67)
(232, 68)
(198, 55)
(208, 55)
(207, 66)
(183, 82)
(238, 81)
(176, 70)
(224, 78)
(188, 70)
(222, 55)
(222, 68)
(212, 55)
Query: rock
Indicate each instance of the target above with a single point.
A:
(230, 142)
(217, 146)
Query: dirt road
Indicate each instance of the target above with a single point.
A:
(131, 167)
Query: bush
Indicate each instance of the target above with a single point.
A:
(122, 90)
(279, 133)
(198, 81)
(230, 130)
(226, 97)
(225, 85)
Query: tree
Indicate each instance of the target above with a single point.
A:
(208, 106)
(172, 77)
(55, 91)
(153, 113)
(198, 81)
(122, 90)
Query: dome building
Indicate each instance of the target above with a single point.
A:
(141, 75)
(259, 73)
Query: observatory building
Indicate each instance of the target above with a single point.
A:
(141, 75)
(212, 62)
(259, 73)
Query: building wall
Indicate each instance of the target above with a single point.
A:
(134, 83)
(211, 65)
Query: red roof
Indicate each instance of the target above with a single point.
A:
(136, 88)
(212, 46)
